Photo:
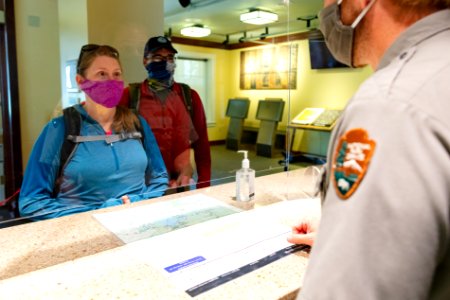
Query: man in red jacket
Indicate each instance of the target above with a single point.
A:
(177, 128)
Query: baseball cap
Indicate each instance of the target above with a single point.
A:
(156, 43)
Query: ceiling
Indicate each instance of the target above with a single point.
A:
(222, 16)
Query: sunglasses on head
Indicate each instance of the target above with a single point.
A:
(94, 47)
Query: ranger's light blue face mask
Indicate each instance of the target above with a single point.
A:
(339, 37)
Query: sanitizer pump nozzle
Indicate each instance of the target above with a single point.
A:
(245, 161)
(245, 180)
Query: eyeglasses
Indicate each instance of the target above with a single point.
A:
(105, 50)
(158, 58)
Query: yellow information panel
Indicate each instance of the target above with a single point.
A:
(316, 117)
(308, 116)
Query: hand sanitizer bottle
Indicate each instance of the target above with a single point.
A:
(245, 180)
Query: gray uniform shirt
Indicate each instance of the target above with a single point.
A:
(385, 227)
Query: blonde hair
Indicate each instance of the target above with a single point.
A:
(124, 119)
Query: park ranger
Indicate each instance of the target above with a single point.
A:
(384, 232)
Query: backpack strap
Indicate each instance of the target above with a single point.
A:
(187, 98)
(72, 122)
(134, 90)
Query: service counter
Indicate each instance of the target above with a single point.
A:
(76, 257)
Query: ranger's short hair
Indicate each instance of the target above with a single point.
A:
(439, 4)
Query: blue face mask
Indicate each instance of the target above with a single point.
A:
(160, 70)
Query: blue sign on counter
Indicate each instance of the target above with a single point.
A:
(184, 264)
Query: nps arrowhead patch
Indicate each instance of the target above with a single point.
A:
(351, 160)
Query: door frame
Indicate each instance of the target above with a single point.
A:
(9, 97)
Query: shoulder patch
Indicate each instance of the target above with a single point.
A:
(351, 160)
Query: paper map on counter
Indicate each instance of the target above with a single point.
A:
(154, 219)
(204, 256)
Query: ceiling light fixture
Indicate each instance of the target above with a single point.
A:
(259, 17)
(196, 30)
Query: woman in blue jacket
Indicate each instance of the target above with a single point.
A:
(110, 163)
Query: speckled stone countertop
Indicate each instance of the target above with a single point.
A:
(75, 257)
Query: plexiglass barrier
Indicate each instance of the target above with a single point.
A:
(259, 63)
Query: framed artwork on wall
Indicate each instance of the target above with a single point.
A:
(269, 68)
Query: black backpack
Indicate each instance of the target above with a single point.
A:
(135, 97)
(72, 122)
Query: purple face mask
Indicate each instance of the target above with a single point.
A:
(106, 93)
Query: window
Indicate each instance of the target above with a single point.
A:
(197, 73)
